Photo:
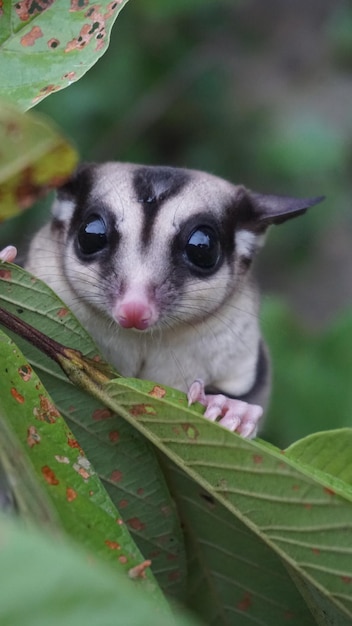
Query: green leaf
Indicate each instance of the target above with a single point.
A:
(124, 461)
(31, 499)
(237, 499)
(34, 158)
(44, 582)
(63, 471)
(47, 45)
(285, 506)
(327, 455)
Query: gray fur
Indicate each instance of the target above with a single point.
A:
(206, 326)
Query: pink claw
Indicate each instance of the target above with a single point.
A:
(236, 415)
(8, 254)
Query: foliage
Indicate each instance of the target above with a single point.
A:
(212, 473)
(238, 531)
(51, 44)
(76, 590)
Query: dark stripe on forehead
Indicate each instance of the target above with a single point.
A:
(78, 189)
(153, 186)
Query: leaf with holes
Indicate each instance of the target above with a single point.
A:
(46, 45)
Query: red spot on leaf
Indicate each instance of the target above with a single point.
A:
(113, 545)
(25, 371)
(154, 554)
(157, 392)
(47, 411)
(78, 5)
(33, 438)
(346, 579)
(330, 492)
(53, 43)
(123, 560)
(173, 576)
(16, 395)
(62, 312)
(114, 436)
(245, 603)
(316, 551)
(142, 409)
(289, 615)
(140, 491)
(95, 28)
(123, 504)
(135, 523)
(296, 487)
(116, 476)
(71, 494)
(81, 471)
(257, 459)
(30, 38)
(69, 76)
(190, 430)
(5, 274)
(49, 475)
(307, 506)
(44, 91)
(172, 557)
(73, 443)
(101, 414)
(29, 8)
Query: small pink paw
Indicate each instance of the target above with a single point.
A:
(8, 254)
(236, 415)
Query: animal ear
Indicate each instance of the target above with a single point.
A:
(262, 210)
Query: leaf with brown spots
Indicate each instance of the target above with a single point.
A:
(52, 44)
(73, 490)
(254, 518)
(124, 462)
(34, 158)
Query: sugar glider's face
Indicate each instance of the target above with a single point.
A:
(157, 246)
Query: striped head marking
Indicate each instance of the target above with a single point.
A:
(158, 246)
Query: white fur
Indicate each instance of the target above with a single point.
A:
(62, 210)
(248, 242)
(216, 334)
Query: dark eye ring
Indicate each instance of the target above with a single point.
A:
(203, 248)
(92, 235)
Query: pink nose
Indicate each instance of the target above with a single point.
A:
(134, 314)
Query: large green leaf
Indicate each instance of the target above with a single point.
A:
(124, 461)
(47, 45)
(238, 499)
(34, 158)
(64, 472)
(46, 583)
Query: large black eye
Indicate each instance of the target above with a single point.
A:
(203, 248)
(92, 235)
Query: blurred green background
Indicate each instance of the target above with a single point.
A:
(259, 93)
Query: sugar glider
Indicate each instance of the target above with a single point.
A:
(156, 264)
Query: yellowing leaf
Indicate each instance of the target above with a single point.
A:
(34, 158)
